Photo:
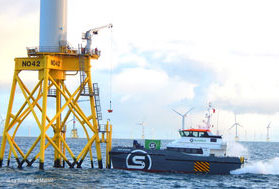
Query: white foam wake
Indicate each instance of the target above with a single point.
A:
(260, 167)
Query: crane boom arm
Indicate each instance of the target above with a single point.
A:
(89, 35)
(91, 32)
(99, 28)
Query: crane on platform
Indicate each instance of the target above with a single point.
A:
(88, 35)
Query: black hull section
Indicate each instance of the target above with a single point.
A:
(171, 161)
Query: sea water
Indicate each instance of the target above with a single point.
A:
(260, 171)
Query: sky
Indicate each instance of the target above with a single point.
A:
(164, 55)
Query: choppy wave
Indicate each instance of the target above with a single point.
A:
(260, 167)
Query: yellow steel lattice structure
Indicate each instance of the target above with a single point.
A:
(52, 69)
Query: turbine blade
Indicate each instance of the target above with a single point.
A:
(231, 126)
(177, 112)
(188, 111)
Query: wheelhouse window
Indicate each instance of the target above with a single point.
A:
(182, 133)
(203, 134)
(210, 134)
(187, 150)
(193, 134)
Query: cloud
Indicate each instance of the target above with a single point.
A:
(240, 50)
(249, 85)
(154, 84)
(19, 8)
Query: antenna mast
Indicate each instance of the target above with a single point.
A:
(208, 115)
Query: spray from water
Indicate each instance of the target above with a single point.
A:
(236, 149)
(260, 167)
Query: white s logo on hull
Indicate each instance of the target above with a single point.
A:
(138, 159)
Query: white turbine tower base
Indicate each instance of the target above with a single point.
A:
(53, 25)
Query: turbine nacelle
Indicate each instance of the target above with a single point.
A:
(183, 116)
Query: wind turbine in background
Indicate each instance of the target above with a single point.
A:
(142, 125)
(183, 116)
(236, 125)
(267, 132)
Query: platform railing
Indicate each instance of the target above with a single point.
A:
(63, 49)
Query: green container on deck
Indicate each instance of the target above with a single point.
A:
(152, 144)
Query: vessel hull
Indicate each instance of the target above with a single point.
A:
(171, 161)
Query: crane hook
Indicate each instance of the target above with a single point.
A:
(110, 110)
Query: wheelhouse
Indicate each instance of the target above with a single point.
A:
(202, 133)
